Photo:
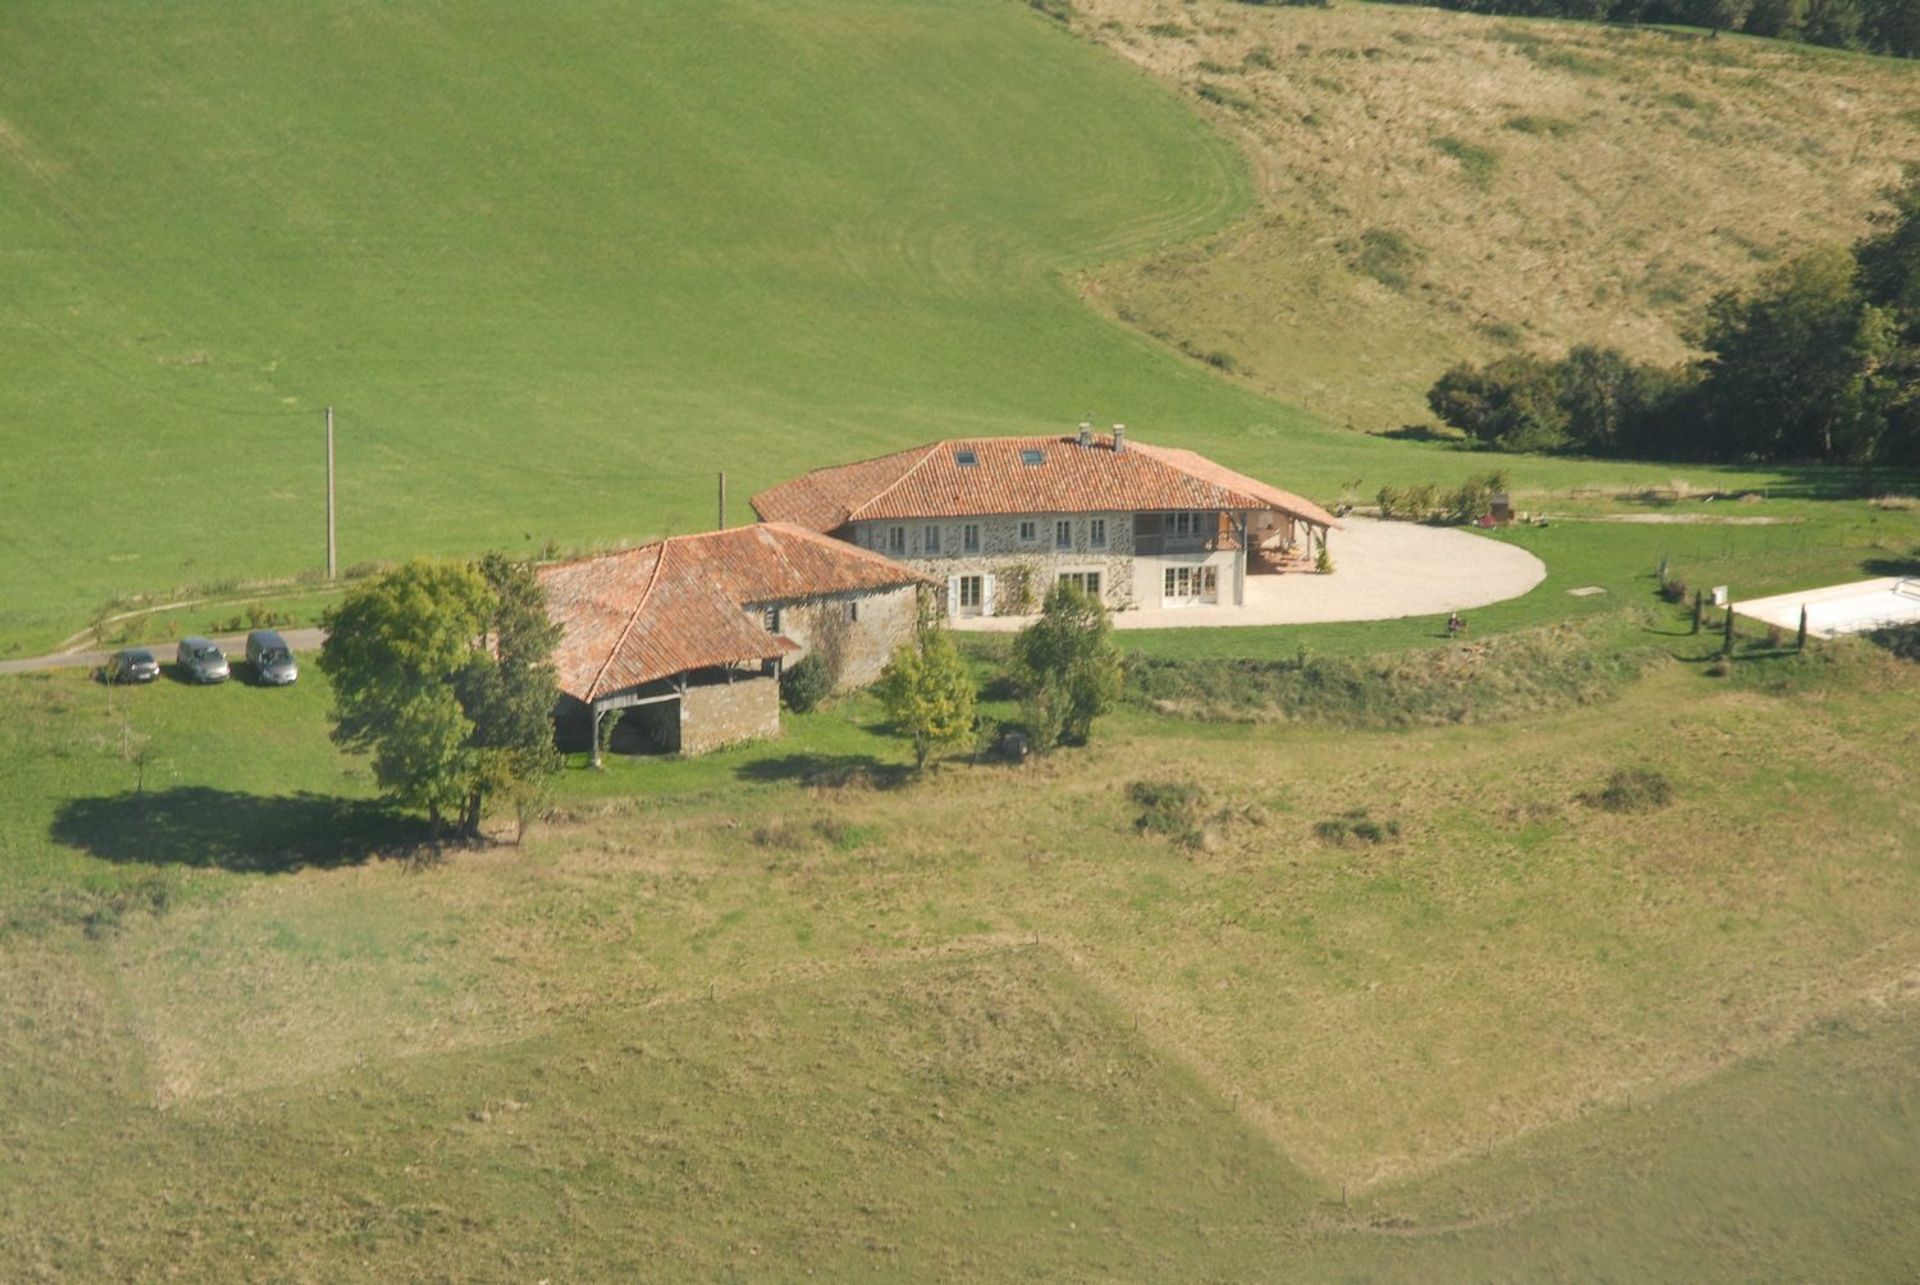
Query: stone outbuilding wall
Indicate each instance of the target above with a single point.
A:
(713, 715)
(854, 633)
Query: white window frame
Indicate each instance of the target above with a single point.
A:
(1096, 533)
(970, 538)
(1088, 582)
(1062, 533)
(897, 540)
(1029, 531)
(930, 540)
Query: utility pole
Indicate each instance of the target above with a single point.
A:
(723, 501)
(332, 546)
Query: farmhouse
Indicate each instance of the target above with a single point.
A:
(692, 630)
(999, 520)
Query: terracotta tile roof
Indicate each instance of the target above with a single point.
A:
(929, 482)
(643, 614)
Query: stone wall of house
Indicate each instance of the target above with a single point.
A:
(1023, 569)
(718, 714)
(855, 633)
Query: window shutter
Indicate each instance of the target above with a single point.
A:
(986, 595)
(953, 596)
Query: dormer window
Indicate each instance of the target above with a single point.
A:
(1032, 458)
(966, 459)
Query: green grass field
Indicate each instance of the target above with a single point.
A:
(785, 1010)
(728, 1016)
(557, 269)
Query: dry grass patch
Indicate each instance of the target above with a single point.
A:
(1586, 183)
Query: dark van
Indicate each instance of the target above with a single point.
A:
(271, 659)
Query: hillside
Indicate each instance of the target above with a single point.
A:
(1438, 186)
(556, 269)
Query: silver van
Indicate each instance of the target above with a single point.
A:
(271, 659)
(200, 661)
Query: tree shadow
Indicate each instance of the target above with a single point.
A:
(1908, 566)
(247, 833)
(827, 771)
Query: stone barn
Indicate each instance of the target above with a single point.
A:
(692, 631)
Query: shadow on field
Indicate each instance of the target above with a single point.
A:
(246, 833)
(830, 771)
(1877, 567)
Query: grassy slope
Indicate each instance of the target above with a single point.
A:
(1609, 182)
(749, 1021)
(554, 268)
(557, 268)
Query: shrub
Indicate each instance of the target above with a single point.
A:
(1355, 827)
(1633, 789)
(1171, 809)
(805, 684)
(1528, 672)
(1477, 163)
(1674, 590)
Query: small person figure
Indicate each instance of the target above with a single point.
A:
(1456, 625)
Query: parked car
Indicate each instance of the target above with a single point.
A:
(201, 662)
(271, 659)
(134, 665)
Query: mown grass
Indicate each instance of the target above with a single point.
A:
(542, 264)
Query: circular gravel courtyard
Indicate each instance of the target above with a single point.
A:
(1382, 571)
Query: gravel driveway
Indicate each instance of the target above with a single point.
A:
(1382, 571)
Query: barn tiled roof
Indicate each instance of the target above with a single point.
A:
(643, 614)
(930, 482)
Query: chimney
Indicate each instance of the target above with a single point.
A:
(1119, 438)
(1086, 433)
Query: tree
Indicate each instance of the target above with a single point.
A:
(1715, 15)
(1833, 22)
(1776, 18)
(393, 647)
(1067, 667)
(1512, 403)
(928, 693)
(508, 688)
(443, 673)
(1796, 369)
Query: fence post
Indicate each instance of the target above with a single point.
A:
(1699, 605)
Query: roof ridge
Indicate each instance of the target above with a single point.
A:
(927, 452)
(659, 565)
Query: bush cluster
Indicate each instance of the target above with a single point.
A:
(1354, 827)
(806, 683)
(1632, 789)
(1426, 502)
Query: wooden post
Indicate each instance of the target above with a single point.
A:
(1699, 608)
(332, 544)
(1800, 643)
(723, 501)
(594, 724)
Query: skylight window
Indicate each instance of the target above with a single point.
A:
(1032, 459)
(966, 459)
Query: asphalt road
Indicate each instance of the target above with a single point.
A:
(235, 645)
